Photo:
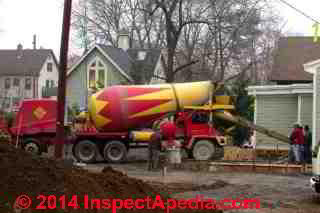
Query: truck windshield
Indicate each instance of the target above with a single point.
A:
(200, 118)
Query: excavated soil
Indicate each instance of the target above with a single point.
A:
(26, 174)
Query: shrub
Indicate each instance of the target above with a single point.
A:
(4, 137)
(9, 117)
(73, 111)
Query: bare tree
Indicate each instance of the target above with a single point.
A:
(176, 19)
(208, 39)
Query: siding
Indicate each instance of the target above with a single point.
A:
(306, 110)
(16, 91)
(114, 76)
(77, 81)
(317, 109)
(276, 112)
(45, 75)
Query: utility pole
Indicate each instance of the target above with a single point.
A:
(60, 137)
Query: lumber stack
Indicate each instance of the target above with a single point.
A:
(236, 154)
(271, 153)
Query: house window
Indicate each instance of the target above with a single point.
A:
(7, 103)
(52, 83)
(49, 67)
(16, 82)
(92, 78)
(101, 78)
(47, 83)
(28, 84)
(7, 83)
(97, 74)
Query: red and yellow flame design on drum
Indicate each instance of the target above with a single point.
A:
(121, 108)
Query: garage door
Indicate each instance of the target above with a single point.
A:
(276, 112)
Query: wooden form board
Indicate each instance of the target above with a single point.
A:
(236, 153)
(240, 154)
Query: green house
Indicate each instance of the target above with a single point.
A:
(104, 66)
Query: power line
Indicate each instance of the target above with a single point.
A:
(299, 11)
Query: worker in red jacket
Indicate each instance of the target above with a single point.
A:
(170, 143)
(297, 139)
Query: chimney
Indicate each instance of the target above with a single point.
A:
(34, 42)
(20, 50)
(141, 55)
(123, 40)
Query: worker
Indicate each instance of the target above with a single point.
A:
(154, 150)
(155, 145)
(301, 147)
(297, 139)
(290, 154)
(171, 145)
(307, 144)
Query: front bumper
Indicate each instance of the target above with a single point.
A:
(315, 183)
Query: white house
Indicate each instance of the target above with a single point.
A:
(26, 74)
(292, 96)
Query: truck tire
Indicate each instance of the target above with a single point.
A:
(115, 152)
(32, 146)
(85, 151)
(203, 150)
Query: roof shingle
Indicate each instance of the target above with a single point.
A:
(129, 61)
(119, 56)
(144, 68)
(290, 56)
(29, 64)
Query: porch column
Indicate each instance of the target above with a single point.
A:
(316, 108)
(299, 108)
(255, 109)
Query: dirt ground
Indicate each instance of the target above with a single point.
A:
(35, 178)
(22, 173)
(277, 193)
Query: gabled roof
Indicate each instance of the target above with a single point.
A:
(118, 56)
(125, 62)
(291, 54)
(112, 57)
(146, 66)
(29, 64)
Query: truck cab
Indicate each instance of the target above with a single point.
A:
(200, 138)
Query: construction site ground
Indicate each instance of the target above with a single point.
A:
(23, 173)
(277, 193)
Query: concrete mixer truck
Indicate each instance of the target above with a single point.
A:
(123, 116)
(120, 118)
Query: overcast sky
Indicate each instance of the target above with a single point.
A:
(20, 19)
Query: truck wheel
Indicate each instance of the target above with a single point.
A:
(32, 146)
(115, 152)
(203, 150)
(85, 151)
